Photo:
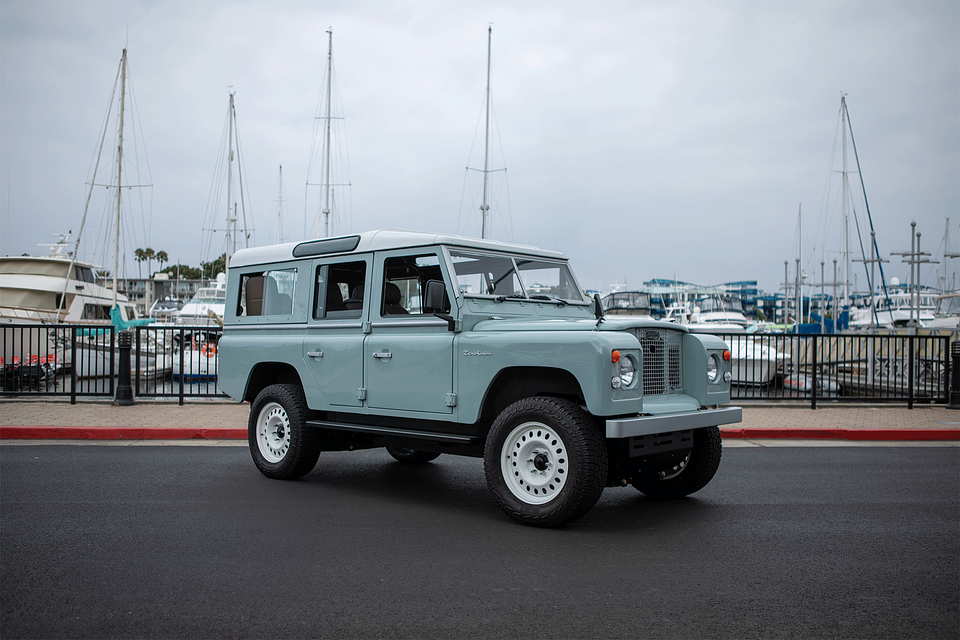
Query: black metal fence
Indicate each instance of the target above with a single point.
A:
(181, 362)
(80, 360)
(840, 367)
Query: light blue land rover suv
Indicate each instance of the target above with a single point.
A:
(428, 344)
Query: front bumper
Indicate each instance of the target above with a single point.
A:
(648, 425)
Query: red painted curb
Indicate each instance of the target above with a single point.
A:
(844, 434)
(119, 433)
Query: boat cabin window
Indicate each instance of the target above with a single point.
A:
(338, 290)
(267, 293)
(84, 274)
(96, 312)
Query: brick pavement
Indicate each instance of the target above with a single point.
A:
(223, 420)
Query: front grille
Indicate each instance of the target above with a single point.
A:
(654, 380)
(662, 371)
(673, 357)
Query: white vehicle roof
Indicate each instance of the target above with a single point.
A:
(381, 240)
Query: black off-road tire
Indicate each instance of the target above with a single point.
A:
(545, 461)
(411, 456)
(690, 475)
(281, 444)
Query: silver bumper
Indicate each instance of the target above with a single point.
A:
(647, 425)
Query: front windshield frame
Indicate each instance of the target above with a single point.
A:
(510, 276)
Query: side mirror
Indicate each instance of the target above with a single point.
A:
(435, 297)
(435, 301)
(597, 308)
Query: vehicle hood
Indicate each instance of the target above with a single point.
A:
(575, 324)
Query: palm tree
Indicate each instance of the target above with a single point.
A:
(139, 255)
(150, 255)
(161, 258)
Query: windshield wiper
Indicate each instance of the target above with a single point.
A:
(559, 301)
(511, 297)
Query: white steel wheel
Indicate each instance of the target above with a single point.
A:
(545, 461)
(273, 432)
(534, 463)
(281, 443)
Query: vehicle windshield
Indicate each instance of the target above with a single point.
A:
(505, 276)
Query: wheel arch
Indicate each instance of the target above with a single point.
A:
(267, 373)
(516, 383)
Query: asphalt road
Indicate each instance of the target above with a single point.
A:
(192, 542)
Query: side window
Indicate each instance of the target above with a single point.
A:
(338, 290)
(405, 281)
(267, 293)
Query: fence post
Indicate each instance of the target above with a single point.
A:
(813, 390)
(73, 365)
(911, 340)
(180, 355)
(124, 392)
(954, 376)
(136, 366)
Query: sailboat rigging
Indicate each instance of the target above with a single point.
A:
(230, 152)
(869, 257)
(330, 176)
(486, 190)
(118, 312)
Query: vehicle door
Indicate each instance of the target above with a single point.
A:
(409, 351)
(333, 347)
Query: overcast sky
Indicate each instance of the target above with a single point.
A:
(642, 139)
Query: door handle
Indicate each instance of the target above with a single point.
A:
(382, 354)
(314, 354)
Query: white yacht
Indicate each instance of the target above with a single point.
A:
(56, 289)
(207, 300)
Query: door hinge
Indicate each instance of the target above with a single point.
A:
(451, 400)
(361, 394)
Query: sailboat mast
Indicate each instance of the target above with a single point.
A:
(279, 235)
(485, 207)
(325, 208)
(799, 292)
(846, 221)
(231, 215)
(116, 225)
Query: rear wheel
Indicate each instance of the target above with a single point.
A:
(545, 461)
(281, 444)
(411, 456)
(690, 474)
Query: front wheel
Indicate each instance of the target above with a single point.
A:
(282, 445)
(545, 461)
(690, 474)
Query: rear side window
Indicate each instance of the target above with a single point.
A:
(267, 293)
(339, 290)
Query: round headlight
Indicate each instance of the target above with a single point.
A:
(627, 371)
(713, 368)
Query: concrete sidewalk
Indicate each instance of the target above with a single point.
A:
(227, 420)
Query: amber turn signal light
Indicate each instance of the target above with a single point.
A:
(615, 356)
(726, 354)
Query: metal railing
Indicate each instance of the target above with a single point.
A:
(82, 360)
(840, 367)
(180, 362)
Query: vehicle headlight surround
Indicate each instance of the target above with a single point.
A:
(713, 369)
(628, 371)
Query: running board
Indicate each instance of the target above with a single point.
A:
(398, 433)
